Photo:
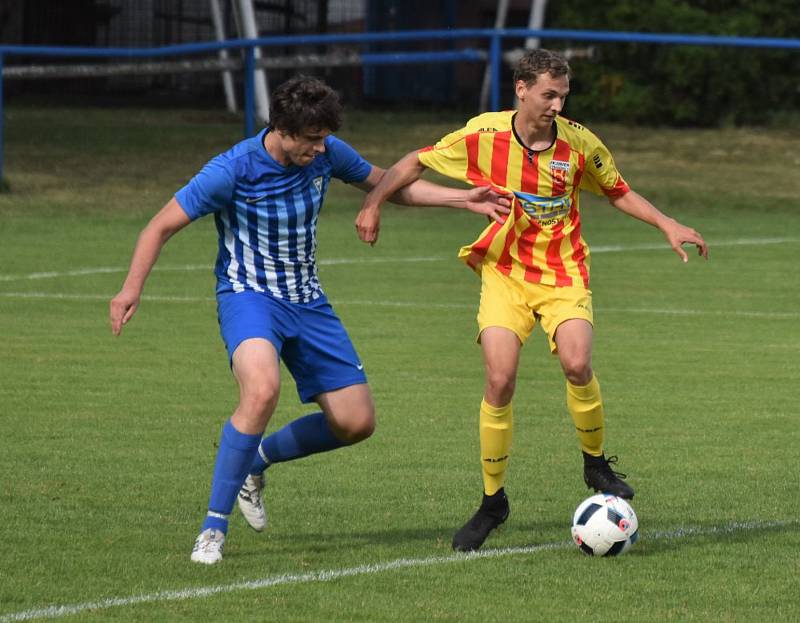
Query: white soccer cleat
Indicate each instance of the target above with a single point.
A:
(251, 502)
(208, 547)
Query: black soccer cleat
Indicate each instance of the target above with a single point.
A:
(598, 475)
(492, 512)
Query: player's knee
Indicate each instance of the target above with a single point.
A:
(499, 388)
(364, 426)
(363, 431)
(577, 370)
(358, 426)
(260, 398)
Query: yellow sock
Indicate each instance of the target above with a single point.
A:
(586, 408)
(495, 428)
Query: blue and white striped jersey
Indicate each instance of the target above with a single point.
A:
(266, 214)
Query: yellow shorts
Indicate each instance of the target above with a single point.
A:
(517, 306)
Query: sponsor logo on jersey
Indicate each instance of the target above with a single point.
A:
(545, 210)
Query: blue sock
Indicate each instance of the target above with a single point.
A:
(234, 457)
(306, 435)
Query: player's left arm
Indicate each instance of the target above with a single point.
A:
(635, 205)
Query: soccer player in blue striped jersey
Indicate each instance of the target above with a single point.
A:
(266, 194)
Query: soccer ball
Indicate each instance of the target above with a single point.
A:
(604, 525)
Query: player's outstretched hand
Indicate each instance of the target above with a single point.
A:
(121, 308)
(368, 224)
(678, 235)
(486, 200)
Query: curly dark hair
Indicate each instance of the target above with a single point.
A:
(304, 103)
(537, 62)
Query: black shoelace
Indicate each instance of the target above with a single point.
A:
(612, 460)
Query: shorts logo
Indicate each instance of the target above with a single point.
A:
(360, 366)
(318, 184)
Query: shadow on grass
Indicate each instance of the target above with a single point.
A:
(423, 541)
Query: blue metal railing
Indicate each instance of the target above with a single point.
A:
(495, 40)
(2, 123)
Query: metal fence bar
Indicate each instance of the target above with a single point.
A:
(249, 91)
(495, 58)
(661, 38)
(2, 115)
(410, 35)
(147, 68)
(406, 58)
(100, 70)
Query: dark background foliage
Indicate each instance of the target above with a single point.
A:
(685, 85)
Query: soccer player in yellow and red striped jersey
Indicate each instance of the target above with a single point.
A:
(534, 265)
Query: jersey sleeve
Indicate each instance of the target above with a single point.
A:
(448, 156)
(602, 176)
(348, 165)
(208, 191)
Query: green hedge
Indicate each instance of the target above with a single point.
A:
(684, 85)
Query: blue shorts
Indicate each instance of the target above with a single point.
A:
(309, 338)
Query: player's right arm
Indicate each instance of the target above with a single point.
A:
(169, 220)
(404, 172)
(449, 156)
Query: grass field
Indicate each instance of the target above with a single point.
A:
(107, 444)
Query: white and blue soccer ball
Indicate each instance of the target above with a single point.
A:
(604, 525)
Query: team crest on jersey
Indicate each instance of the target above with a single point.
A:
(318, 184)
(559, 169)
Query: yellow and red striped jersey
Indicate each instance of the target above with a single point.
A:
(540, 241)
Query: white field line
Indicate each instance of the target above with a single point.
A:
(104, 297)
(82, 272)
(55, 612)
(598, 310)
(415, 305)
(737, 242)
